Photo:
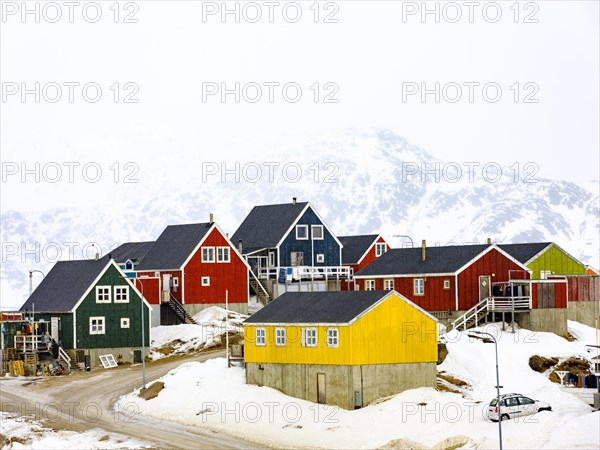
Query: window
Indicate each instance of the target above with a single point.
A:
(208, 254)
(271, 259)
(369, 285)
(419, 286)
(124, 322)
(175, 282)
(121, 294)
(309, 337)
(317, 232)
(446, 284)
(297, 258)
(96, 325)
(261, 336)
(301, 232)
(102, 294)
(205, 281)
(223, 255)
(128, 265)
(320, 258)
(280, 337)
(380, 248)
(332, 337)
(544, 274)
(388, 285)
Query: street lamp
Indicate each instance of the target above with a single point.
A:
(143, 332)
(479, 336)
(31, 279)
(412, 244)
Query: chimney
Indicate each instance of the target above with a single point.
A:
(293, 200)
(423, 249)
(240, 246)
(489, 241)
(211, 218)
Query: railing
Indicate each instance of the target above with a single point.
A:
(65, 358)
(259, 285)
(180, 310)
(32, 343)
(309, 272)
(472, 313)
(501, 304)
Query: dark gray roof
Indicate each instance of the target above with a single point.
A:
(439, 259)
(129, 251)
(173, 246)
(355, 247)
(64, 285)
(266, 225)
(317, 307)
(524, 252)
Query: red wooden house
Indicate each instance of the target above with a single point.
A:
(442, 278)
(191, 267)
(358, 252)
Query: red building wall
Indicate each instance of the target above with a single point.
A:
(494, 264)
(560, 294)
(583, 288)
(232, 276)
(367, 259)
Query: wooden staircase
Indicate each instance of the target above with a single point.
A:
(259, 288)
(180, 311)
(480, 311)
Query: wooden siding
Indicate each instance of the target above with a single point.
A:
(556, 261)
(494, 264)
(151, 287)
(232, 276)
(114, 335)
(392, 332)
(583, 288)
(328, 246)
(367, 259)
(548, 295)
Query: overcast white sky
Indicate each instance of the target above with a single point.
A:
(368, 56)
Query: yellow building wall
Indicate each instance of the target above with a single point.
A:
(393, 332)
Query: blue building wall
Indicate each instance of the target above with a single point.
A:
(328, 246)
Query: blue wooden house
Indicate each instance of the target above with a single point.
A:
(289, 243)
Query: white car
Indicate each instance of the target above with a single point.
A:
(515, 405)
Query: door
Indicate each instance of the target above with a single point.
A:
(484, 287)
(54, 328)
(137, 356)
(321, 388)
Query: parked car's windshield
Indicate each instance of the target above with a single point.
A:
(494, 402)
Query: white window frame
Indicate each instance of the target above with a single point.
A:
(272, 262)
(312, 232)
(388, 285)
(175, 282)
(107, 293)
(446, 284)
(208, 254)
(378, 248)
(280, 337)
(369, 285)
(116, 294)
(320, 258)
(100, 327)
(308, 339)
(226, 252)
(419, 286)
(305, 227)
(205, 281)
(125, 322)
(333, 337)
(260, 334)
(544, 274)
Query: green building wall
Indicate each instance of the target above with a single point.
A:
(556, 261)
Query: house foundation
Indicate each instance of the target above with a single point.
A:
(584, 312)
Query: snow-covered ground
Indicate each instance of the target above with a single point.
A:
(210, 395)
(23, 432)
(209, 332)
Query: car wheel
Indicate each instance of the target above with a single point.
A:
(504, 417)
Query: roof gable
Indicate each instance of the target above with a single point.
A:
(317, 307)
(438, 260)
(355, 247)
(266, 225)
(174, 246)
(63, 287)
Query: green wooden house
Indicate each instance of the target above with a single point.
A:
(93, 310)
(545, 259)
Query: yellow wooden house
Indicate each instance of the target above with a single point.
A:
(346, 348)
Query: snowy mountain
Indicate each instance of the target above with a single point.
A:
(360, 181)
